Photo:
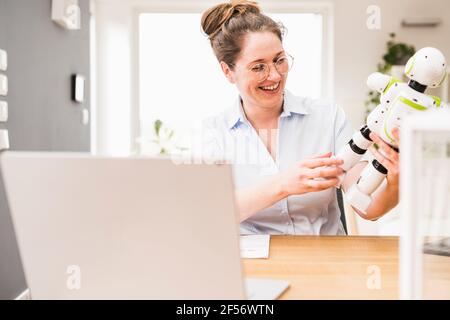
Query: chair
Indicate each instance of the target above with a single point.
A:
(340, 200)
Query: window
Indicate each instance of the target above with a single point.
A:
(180, 80)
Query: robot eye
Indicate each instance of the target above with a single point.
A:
(426, 57)
(387, 101)
(415, 100)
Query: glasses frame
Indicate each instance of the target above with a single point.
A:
(275, 66)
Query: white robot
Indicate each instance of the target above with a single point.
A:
(427, 68)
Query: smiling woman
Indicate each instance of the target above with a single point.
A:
(280, 145)
(279, 130)
(238, 31)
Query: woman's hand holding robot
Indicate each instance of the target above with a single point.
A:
(427, 68)
(388, 157)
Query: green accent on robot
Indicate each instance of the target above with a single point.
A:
(412, 104)
(437, 100)
(387, 134)
(411, 66)
(391, 82)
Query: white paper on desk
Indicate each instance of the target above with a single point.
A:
(255, 246)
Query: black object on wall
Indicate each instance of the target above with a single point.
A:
(42, 117)
(78, 88)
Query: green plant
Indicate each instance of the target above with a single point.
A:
(397, 53)
(164, 138)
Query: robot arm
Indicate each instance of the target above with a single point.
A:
(379, 82)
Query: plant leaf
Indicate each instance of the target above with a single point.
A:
(157, 126)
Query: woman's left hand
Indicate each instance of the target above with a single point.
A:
(389, 158)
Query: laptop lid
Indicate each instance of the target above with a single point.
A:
(123, 228)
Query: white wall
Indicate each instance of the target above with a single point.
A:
(357, 50)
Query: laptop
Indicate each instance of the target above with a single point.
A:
(92, 227)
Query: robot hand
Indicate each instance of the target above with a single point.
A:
(427, 68)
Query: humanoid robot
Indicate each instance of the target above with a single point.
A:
(426, 68)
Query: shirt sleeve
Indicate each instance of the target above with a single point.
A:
(343, 130)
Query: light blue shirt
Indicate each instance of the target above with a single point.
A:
(307, 127)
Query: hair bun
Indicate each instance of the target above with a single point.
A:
(216, 17)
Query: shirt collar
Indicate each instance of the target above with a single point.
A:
(294, 104)
(235, 114)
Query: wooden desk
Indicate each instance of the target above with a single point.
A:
(330, 267)
(340, 268)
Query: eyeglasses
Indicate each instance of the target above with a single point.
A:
(282, 64)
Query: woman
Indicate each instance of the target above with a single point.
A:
(281, 145)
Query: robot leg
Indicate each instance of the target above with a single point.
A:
(359, 195)
(352, 152)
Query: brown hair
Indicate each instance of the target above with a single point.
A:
(227, 23)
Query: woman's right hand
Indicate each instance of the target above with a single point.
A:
(314, 174)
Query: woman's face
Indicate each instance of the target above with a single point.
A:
(259, 48)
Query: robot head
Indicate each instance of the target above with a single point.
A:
(427, 66)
